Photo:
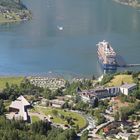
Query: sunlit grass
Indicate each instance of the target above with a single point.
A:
(77, 118)
(119, 79)
(10, 80)
(35, 119)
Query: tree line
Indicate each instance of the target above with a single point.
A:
(19, 130)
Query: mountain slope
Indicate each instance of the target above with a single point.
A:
(12, 4)
(13, 11)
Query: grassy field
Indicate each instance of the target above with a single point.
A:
(10, 80)
(76, 118)
(14, 16)
(119, 79)
(4, 20)
(34, 119)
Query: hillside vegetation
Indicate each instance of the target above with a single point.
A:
(12, 4)
(133, 3)
(119, 79)
(10, 81)
(13, 11)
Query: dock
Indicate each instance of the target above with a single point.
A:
(121, 63)
(128, 65)
(131, 65)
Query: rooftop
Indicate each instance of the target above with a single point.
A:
(20, 104)
(128, 85)
(56, 101)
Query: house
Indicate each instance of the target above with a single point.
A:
(127, 88)
(113, 90)
(98, 93)
(51, 82)
(19, 108)
(111, 128)
(88, 98)
(124, 136)
(104, 92)
(56, 103)
(101, 93)
(91, 96)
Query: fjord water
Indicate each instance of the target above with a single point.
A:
(38, 46)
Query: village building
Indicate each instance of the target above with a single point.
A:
(89, 96)
(113, 91)
(53, 83)
(124, 136)
(57, 103)
(127, 88)
(19, 108)
(98, 93)
(53, 103)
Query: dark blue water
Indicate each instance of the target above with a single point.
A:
(38, 46)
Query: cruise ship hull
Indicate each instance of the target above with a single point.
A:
(107, 66)
(106, 55)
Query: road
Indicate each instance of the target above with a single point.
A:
(93, 129)
(109, 118)
(91, 124)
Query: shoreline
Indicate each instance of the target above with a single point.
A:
(68, 75)
(15, 18)
(15, 13)
(131, 4)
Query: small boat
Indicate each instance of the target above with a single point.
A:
(60, 28)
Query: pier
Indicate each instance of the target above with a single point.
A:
(131, 65)
(121, 62)
(128, 65)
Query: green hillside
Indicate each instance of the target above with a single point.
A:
(13, 11)
(12, 4)
(133, 3)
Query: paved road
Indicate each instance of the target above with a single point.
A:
(91, 124)
(111, 119)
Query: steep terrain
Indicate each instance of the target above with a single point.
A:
(12, 4)
(13, 11)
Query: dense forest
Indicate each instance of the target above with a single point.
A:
(18, 130)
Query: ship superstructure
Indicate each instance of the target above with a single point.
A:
(106, 55)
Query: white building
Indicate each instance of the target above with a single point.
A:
(127, 88)
(124, 136)
(57, 103)
(19, 107)
(89, 96)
